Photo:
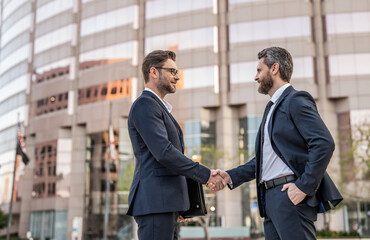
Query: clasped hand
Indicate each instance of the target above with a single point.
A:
(218, 180)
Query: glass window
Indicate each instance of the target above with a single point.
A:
(53, 8)
(243, 72)
(160, 8)
(49, 224)
(54, 38)
(17, 42)
(348, 23)
(253, 126)
(190, 39)
(303, 67)
(246, 71)
(198, 77)
(12, 103)
(243, 1)
(20, 26)
(14, 58)
(7, 139)
(14, 73)
(200, 141)
(270, 29)
(52, 70)
(121, 181)
(119, 52)
(349, 64)
(107, 20)
(11, 6)
(17, 85)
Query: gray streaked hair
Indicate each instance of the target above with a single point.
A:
(281, 56)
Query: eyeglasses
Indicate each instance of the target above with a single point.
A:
(173, 71)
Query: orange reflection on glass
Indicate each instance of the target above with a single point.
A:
(106, 91)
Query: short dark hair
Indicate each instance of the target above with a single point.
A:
(156, 59)
(282, 57)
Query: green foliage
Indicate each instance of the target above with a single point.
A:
(330, 234)
(124, 182)
(210, 155)
(3, 220)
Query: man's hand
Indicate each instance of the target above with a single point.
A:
(217, 174)
(216, 182)
(294, 193)
(181, 219)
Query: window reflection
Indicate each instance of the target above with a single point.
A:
(243, 72)
(107, 20)
(13, 73)
(12, 103)
(52, 70)
(243, 1)
(196, 38)
(52, 8)
(49, 224)
(45, 173)
(10, 7)
(14, 58)
(348, 23)
(106, 55)
(107, 91)
(246, 71)
(270, 29)
(7, 139)
(53, 39)
(349, 64)
(121, 174)
(20, 26)
(160, 8)
(50, 104)
(197, 77)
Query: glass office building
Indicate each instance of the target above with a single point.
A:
(63, 62)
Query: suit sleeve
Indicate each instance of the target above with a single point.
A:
(319, 141)
(243, 173)
(148, 121)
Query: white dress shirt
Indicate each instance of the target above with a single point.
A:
(272, 166)
(165, 103)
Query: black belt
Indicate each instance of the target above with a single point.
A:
(278, 181)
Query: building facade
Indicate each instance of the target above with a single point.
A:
(64, 62)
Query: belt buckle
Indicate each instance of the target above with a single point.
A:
(265, 183)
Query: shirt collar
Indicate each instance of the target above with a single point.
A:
(165, 103)
(278, 92)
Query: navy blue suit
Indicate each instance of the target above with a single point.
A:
(159, 184)
(300, 138)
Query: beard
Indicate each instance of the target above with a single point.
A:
(266, 84)
(165, 86)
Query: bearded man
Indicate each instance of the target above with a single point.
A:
(293, 150)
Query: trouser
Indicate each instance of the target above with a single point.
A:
(159, 226)
(286, 221)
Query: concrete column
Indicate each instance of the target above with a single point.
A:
(77, 177)
(228, 202)
(27, 186)
(327, 108)
(141, 44)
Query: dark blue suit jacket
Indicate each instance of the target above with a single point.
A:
(301, 139)
(159, 183)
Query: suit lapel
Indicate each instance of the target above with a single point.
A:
(179, 131)
(281, 98)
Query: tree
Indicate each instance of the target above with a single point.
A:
(3, 220)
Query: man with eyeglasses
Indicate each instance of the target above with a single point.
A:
(158, 192)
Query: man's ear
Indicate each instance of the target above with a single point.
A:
(275, 68)
(153, 73)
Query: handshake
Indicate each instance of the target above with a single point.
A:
(218, 180)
